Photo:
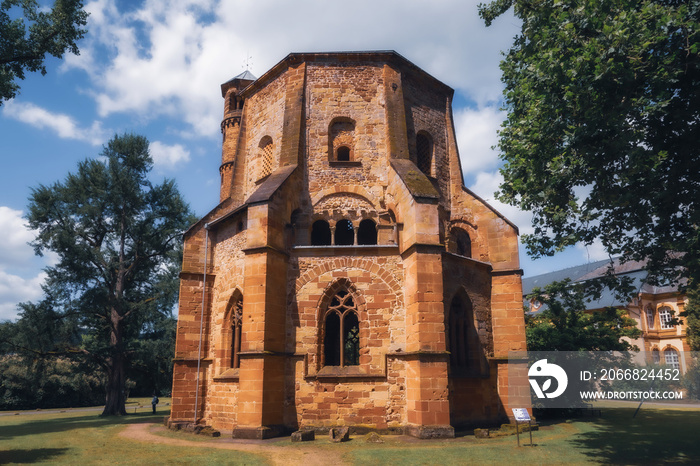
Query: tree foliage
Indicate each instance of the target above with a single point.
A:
(28, 34)
(600, 140)
(564, 326)
(117, 239)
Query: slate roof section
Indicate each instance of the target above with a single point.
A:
(634, 270)
(273, 182)
(415, 180)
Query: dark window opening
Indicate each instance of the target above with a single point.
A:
(320, 233)
(462, 242)
(351, 334)
(463, 341)
(341, 342)
(367, 232)
(343, 154)
(236, 318)
(424, 154)
(344, 233)
(331, 343)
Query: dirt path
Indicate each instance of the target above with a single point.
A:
(306, 455)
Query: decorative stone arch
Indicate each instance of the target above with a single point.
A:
(346, 189)
(353, 302)
(368, 265)
(231, 331)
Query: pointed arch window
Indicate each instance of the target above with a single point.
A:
(341, 340)
(462, 338)
(232, 333)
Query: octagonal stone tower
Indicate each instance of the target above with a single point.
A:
(347, 277)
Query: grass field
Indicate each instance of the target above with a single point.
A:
(82, 437)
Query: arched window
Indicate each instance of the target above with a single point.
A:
(424, 153)
(655, 356)
(341, 140)
(343, 154)
(460, 242)
(265, 149)
(344, 233)
(671, 358)
(320, 233)
(341, 341)
(665, 317)
(367, 232)
(462, 339)
(650, 317)
(232, 332)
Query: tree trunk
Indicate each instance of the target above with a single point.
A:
(116, 378)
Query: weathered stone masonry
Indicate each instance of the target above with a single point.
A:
(351, 278)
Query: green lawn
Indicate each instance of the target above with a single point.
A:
(82, 437)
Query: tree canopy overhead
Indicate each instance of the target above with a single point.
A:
(601, 137)
(28, 34)
(117, 238)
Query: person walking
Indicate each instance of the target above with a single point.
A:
(154, 402)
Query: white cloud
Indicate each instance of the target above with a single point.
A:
(63, 125)
(169, 57)
(477, 133)
(14, 250)
(167, 157)
(15, 289)
(593, 252)
(17, 260)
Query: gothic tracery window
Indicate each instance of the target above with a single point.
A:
(233, 335)
(341, 342)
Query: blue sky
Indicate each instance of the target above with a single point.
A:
(154, 68)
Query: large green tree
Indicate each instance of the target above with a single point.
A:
(601, 137)
(29, 32)
(116, 236)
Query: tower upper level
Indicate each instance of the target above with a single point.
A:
(342, 117)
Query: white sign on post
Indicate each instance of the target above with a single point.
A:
(521, 414)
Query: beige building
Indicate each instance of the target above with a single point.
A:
(654, 308)
(347, 277)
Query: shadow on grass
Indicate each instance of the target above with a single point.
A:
(63, 423)
(31, 456)
(654, 436)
